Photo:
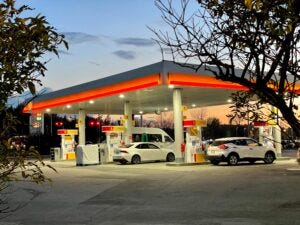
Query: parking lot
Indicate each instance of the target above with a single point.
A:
(154, 193)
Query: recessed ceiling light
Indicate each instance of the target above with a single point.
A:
(48, 110)
(194, 105)
(141, 112)
(121, 96)
(166, 109)
(171, 86)
(91, 101)
(229, 100)
(69, 106)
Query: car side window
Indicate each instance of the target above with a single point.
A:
(137, 137)
(168, 139)
(251, 143)
(153, 146)
(139, 146)
(241, 142)
(144, 146)
(155, 137)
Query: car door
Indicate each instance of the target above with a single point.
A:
(143, 151)
(255, 149)
(241, 148)
(156, 152)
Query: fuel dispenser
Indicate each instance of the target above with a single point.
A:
(67, 151)
(194, 151)
(265, 133)
(269, 134)
(113, 141)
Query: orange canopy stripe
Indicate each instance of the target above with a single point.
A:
(209, 82)
(135, 84)
(202, 81)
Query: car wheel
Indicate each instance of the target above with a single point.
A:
(136, 159)
(215, 162)
(252, 161)
(269, 158)
(233, 159)
(170, 157)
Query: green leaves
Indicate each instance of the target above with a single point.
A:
(23, 42)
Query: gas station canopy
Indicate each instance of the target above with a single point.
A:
(149, 89)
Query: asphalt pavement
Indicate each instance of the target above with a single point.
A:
(157, 194)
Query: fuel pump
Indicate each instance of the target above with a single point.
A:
(113, 141)
(193, 147)
(67, 143)
(269, 134)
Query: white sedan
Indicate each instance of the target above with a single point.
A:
(141, 152)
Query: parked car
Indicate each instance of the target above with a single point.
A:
(288, 144)
(235, 149)
(141, 152)
(19, 142)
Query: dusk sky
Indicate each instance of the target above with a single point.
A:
(105, 37)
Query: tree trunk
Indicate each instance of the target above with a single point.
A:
(290, 117)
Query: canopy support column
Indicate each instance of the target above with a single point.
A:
(81, 126)
(128, 122)
(178, 124)
(277, 140)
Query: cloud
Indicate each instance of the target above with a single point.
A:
(129, 55)
(79, 37)
(138, 42)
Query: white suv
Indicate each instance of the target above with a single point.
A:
(235, 149)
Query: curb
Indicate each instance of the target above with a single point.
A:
(284, 158)
(188, 164)
(293, 170)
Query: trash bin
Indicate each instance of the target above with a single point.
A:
(55, 154)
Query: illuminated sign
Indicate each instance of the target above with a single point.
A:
(67, 132)
(36, 120)
(36, 124)
(194, 123)
(113, 129)
(264, 123)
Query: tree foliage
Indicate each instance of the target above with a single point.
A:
(246, 107)
(213, 129)
(251, 42)
(24, 41)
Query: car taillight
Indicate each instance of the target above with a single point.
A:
(224, 147)
(123, 151)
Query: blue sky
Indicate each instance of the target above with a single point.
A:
(105, 37)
